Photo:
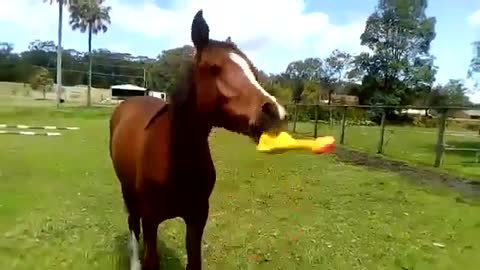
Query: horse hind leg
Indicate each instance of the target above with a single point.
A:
(134, 227)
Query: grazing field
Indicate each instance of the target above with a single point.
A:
(412, 144)
(61, 208)
(18, 94)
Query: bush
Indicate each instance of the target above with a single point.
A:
(424, 121)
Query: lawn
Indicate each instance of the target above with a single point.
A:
(413, 144)
(61, 208)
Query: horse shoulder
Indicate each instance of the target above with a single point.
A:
(154, 164)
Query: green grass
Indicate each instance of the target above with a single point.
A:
(61, 208)
(413, 144)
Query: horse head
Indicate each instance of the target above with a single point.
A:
(227, 86)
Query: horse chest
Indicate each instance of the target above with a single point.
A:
(188, 178)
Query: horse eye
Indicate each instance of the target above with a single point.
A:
(215, 70)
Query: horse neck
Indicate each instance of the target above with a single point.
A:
(190, 126)
(190, 129)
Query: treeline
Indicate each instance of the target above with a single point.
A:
(109, 68)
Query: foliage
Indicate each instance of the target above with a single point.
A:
(474, 68)
(41, 80)
(452, 93)
(166, 70)
(399, 67)
(302, 71)
(108, 68)
(91, 16)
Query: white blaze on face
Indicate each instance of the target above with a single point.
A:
(251, 77)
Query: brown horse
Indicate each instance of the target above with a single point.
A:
(160, 151)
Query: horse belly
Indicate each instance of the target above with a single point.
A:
(124, 153)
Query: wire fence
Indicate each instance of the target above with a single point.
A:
(430, 135)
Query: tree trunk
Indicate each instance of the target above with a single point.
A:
(330, 112)
(59, 51)
(89, 87)
(44, 93)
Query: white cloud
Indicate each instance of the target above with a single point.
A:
(259, 27)
(35, 17)
(474, 19)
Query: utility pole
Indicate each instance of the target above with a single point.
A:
(59, 52)
(144, 78)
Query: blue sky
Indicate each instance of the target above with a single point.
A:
(271, 32)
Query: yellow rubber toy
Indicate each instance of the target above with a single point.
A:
(271, 143)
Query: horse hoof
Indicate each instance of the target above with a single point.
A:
(135, 265)
(151, 267)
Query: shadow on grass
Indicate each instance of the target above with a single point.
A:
(169, 258)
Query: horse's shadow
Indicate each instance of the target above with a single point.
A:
(169, 258)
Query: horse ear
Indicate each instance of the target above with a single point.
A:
(200, 31)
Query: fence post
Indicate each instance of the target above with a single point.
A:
(440, 139)
(344, 120)
(382, 133)
(316, 122)
(295, 115)
(330, 116)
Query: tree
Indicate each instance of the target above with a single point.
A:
(400, 67)
(109, 68)
(336, 68)
(474, 68)
(452, 93)
(299, 72)
(60, 3)
(91, 16)
(164, 73)
(41, 80)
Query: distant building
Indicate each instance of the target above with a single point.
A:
(340, 99)
(129, 90)
(472, 114)
(123, 91)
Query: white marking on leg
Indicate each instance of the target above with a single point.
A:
(240, 61)
(134, 260)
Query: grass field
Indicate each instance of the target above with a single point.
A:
(61, 208)
(413, 144)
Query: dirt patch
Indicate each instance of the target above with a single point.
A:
(465, 186)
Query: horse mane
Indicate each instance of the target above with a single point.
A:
(183, 93)
(184, 90)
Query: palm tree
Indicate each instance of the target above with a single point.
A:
(61, 3)
(91, 16)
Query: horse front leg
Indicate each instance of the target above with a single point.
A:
(151, 260)
(195, 226)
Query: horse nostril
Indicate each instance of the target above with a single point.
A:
(270, 109)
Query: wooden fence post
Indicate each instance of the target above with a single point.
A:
(315, 135)
(295, 115)
(382, 133)
(344, 120)
(330, 116)
(440, 139)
